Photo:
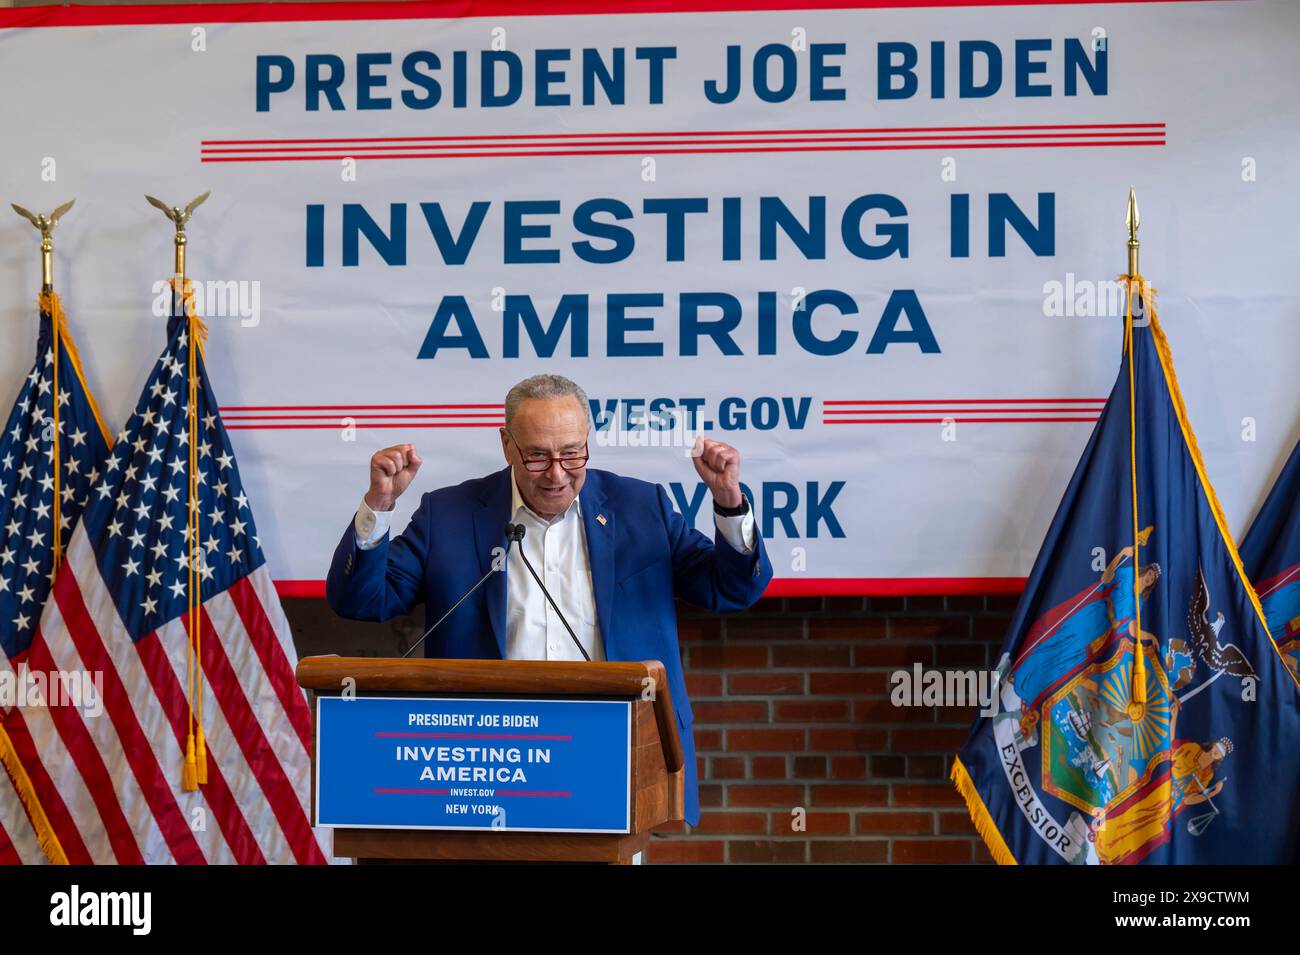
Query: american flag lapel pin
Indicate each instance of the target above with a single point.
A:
(600, 519)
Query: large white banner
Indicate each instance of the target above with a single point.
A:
(868, 247)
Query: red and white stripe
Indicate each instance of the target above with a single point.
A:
(112, 784)
(686, 141)
(18, 843)
(18, 839)
(360, 417)
(875, 411)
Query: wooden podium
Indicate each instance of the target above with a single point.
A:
(656, 759)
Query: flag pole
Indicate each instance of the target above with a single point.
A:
(49, 304)
(195, 770)
(1138, 688)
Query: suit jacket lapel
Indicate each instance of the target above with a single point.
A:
(598, 527)
(489, 533)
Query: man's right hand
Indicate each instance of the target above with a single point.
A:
(391, 472)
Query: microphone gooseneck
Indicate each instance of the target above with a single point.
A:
(463, 597)
(515, 534)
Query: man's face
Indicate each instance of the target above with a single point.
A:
(546, 427)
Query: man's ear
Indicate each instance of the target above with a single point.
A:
(505, 446)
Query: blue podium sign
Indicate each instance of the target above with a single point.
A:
(386, 762)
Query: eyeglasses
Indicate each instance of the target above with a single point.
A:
(538, 461)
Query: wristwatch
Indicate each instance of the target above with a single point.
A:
(741, 508)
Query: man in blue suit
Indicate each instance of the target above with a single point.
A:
(611, 550)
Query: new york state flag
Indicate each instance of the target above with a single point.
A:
(1144, 714)
(1270, 553)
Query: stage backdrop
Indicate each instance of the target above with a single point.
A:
(868, 245)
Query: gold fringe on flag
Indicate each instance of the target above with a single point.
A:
(979, 815)
(49, 304)
(45, 835)
(57, 463)
(52, 305)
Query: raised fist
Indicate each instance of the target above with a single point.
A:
(718, 465)
(391, 472)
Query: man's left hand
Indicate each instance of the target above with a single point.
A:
(718, 465)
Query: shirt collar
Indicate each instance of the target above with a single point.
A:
(517, 501)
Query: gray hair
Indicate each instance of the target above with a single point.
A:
(545, 387)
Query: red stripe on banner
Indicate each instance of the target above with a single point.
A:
(243, 408)
(154, 786)
(376, 424)
(967, 401)
(885, 417)
(257, 750)
(945, 410)
(90, 764)
(334, 418)
(1136, 127)
(300, 588)
(803, 587)
(458, 9)
(547, 149)
(515, 736)
(8, 851)
(894, 586)
(534, 794)
(967, 420)
(51, 799)
(274, 662)
(519, 154)
(216, 791)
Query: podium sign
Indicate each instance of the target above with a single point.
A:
(396, 762)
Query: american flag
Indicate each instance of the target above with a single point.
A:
(35, 497)
(112, 785)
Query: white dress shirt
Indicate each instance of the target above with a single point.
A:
(557, 550)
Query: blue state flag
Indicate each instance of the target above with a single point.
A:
(1143, 713)
(1271, 555)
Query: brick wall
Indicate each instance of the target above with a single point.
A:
(792, 709)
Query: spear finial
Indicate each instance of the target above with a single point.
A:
(1131, 218)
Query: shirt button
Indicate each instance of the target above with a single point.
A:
(551, 647)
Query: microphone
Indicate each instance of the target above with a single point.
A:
(465, 596)
(515, 535)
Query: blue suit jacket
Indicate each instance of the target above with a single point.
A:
(642, 557)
